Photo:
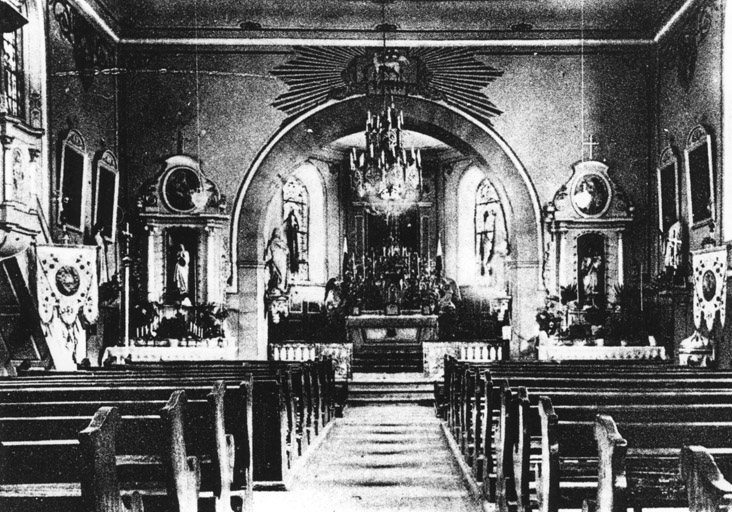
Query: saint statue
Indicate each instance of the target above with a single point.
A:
(101, 243)
(182, 259)
(276, 258)
(591, 266)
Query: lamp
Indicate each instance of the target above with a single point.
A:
(386, 177)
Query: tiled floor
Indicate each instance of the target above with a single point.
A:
(381, 458)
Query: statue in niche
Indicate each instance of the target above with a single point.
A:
(292, 227)
(276, 258)
(182, 262)
(591, 270)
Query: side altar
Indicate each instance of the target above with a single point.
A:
(175, 309)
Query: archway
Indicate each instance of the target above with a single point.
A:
(296, 142)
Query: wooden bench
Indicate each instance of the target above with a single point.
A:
(472, 411)
(640, 451)
(280, 439)
(55, 463)
(706, 487)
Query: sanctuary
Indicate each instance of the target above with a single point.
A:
(379, 198)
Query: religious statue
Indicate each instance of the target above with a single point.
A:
(182, 259)
(591, 266)
(101, 244)
(276, 258)
(672, 249)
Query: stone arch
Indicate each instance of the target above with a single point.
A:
(298, 139)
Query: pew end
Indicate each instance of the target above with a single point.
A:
(706, 487)
(612, 484)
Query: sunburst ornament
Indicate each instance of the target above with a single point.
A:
(453, 75)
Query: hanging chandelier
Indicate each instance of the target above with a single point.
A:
(386, 177)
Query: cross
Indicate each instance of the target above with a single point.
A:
(591, 143)
(180, 141)
(127, 235)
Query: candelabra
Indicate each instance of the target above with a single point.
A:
(386, 177)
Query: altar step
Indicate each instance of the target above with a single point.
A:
(388, 356)
(386, 388)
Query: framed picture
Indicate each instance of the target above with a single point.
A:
(590, 192)
(106, 190)
(72, 167)
(667, 178)
(699, 176)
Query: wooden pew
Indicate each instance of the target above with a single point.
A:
(640, 452)
(706, 487)
(58, 472)
(277, 446)
(226, 464)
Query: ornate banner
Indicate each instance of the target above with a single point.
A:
(67, 288)
(710, 285)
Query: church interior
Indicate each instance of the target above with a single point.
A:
(279, 234)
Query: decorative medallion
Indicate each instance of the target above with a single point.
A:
(453, 75)
(590, 194)
(67, 280)
(178, 188)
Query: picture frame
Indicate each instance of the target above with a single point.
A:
(71, 180)
(106, 193)
(668, 187)
(699, 177)
(591, 194)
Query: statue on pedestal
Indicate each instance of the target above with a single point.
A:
(276, 258)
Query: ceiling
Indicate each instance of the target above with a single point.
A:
(482, 19)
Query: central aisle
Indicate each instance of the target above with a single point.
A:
(378, 457)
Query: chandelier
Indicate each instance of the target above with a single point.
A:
(386, 177)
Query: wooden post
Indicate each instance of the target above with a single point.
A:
(224, 456)
(99, 482)
(183, 473)
(478, 454)
(706, 487)
(547, 477)
(611, 480)
(521, 449)
(504, 469)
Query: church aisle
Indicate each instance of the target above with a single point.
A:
(378, 458)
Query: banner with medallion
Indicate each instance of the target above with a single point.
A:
(66, 278)
(710, 285)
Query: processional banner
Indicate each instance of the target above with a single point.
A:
(67, 288)
(710, 286)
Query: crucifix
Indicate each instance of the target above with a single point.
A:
(592, 143)
(126, 262)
